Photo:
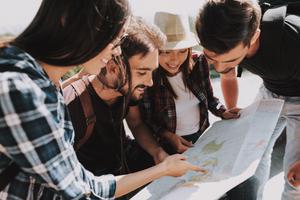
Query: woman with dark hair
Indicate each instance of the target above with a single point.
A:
(176, 107)
(37, 159)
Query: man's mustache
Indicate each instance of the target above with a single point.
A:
(142, 86)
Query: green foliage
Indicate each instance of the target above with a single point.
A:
(70, 73)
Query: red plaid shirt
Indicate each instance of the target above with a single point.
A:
(158, 105)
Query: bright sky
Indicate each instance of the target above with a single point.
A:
(147, 8)
(17, 14)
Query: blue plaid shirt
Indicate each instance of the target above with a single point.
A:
(37, 134)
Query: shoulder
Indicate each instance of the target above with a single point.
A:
(157, 77)
(196, 55)
(200, 61)
(21, 82)
(69, 94)
(20, 94)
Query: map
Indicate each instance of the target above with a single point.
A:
(230, 150)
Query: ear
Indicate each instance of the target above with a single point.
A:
(255, 37)
(112, 67)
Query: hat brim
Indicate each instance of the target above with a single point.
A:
(189, 42)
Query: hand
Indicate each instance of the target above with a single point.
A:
(232, 113)
(159, 156)
(178, 143)
(293, 175)
(176, 165)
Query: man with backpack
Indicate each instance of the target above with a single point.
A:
(235, 32)
(111, 97)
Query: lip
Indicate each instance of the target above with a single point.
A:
(173, 67)
(141, 90)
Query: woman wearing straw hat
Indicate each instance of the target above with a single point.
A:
(177, 105)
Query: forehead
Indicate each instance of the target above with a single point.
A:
(173, 50)
(232, 54)
(148, 62)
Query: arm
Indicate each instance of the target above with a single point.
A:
(147, 110)
(40, 145)
(179, 144)
(146, 106)
(230, 89)
(143, 135)
(174, 165)
(214, 105)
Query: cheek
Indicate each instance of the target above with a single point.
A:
(182, 59)
(163, 60)
(163, 64)
(134, 82)
(164, 67)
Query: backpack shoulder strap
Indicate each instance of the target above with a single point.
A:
(81, 89)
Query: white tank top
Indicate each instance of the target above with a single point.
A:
(187, 107)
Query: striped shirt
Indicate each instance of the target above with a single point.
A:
(36, 133)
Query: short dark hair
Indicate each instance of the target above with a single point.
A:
(71, 32)
(142, 38)
(223, 24)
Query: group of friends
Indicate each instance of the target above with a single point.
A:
(148, 75)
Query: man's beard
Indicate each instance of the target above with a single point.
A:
(116, 84)
(137, 98)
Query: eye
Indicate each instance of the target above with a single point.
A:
(183, 51)
(209, 59)
(141, 73)
(164, 52)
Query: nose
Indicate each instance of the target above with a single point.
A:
(173, 57)
(149, 82)
(216, 66)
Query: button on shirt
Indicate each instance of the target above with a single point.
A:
(36, 133)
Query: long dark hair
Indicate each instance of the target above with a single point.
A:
(185, 68)
(70, 32)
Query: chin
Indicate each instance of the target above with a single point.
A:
(137, 97)
(173, 71)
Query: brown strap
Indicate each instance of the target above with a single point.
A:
(80, 87)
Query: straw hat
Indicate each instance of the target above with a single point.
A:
(177, 29)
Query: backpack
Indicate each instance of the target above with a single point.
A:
(80, 89)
